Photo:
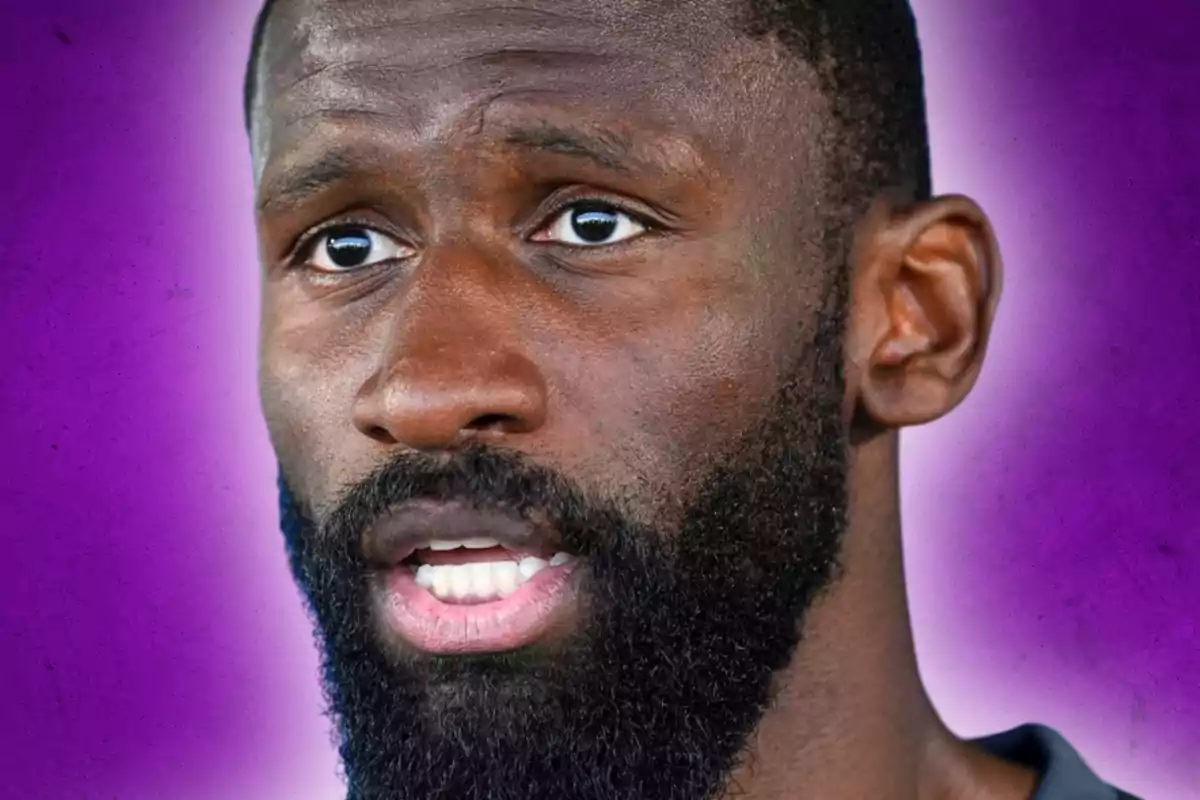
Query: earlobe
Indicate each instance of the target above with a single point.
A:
(927, 281)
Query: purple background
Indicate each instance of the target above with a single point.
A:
(153, 645)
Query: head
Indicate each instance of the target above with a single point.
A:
(650, 285)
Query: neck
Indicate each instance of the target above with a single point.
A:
(850, 716)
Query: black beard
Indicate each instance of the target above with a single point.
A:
(680, 633)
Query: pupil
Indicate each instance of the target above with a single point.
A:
(348, 249)
(594, 225)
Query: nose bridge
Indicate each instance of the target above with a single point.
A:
(451, 303)
(454, 366)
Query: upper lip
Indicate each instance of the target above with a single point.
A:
(399, 533)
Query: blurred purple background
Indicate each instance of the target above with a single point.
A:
(153, 645)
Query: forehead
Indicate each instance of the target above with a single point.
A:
(427, 70)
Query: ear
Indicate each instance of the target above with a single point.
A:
(926, 284)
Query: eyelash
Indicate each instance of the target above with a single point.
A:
(639, 217)
(306, 243)
(303, 248)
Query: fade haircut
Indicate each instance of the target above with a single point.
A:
(867, 58)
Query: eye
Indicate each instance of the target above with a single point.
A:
(591, 224)
(350, 247)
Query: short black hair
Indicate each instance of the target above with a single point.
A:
(250, 84)
(868, 59)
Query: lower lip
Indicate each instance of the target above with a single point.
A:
(456, 629)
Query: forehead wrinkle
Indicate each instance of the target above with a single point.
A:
(379, 83)
(327, 37)
(385, 41)
(377, 16)
(394, 81)
(409, 112)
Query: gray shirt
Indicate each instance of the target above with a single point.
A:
(1064, 775)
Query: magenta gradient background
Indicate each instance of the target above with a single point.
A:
(153, 645)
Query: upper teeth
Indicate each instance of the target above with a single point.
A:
(477, 543)
(483, 580)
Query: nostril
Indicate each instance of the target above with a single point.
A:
(379, 434)
(490, 422)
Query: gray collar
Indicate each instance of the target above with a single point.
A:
(1064, 775)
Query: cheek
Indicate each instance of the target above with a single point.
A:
(712, 383)
(308, 379)
(662, 400)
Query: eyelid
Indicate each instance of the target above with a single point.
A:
(303, 245)
(645, 215)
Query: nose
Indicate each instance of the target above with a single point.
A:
(453, 370)
(442, 401)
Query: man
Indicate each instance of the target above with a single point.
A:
(587, 332)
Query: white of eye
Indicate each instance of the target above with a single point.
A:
(353, 247)
(593, 225)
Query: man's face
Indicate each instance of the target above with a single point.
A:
(555, 277)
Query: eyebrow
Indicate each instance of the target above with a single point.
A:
(295, 185)
(605, 148)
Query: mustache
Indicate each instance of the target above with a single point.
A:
(486, 478)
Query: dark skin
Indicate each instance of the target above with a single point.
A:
(461, 136)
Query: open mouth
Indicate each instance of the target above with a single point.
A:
(452, 579)
(477, 570)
